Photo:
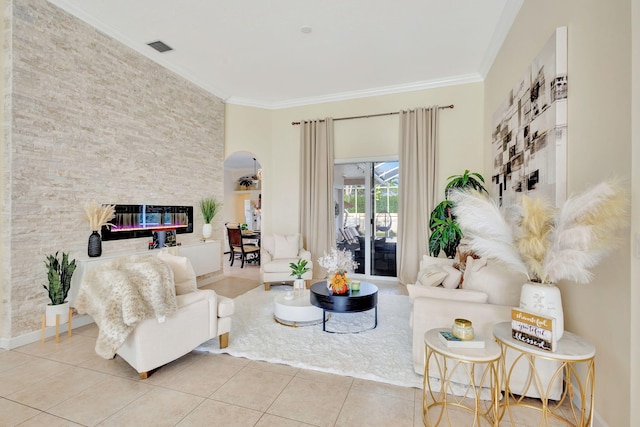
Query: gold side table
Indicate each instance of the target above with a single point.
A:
(576, 359)
(472, 370)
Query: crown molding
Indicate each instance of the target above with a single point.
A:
(344, 96)
(500, 33)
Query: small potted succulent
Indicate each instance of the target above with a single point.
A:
(298, 269)
(59, 273)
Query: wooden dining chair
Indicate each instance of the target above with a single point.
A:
(238, 248)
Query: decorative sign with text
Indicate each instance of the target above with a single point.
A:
(533, 329)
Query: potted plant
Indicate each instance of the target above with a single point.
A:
(97, 216)
(209, 208)
(445, 232)
(298, 269)
(59, 273)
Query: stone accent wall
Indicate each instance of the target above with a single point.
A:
(93, 119)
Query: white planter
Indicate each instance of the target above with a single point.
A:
(62, 310)
(544, 299)
(206, 230)
(299, 286)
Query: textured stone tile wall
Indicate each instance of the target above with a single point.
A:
(93, 119)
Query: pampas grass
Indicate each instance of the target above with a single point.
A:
(99, 215)
(545, 243)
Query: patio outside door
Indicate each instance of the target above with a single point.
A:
(367, 202)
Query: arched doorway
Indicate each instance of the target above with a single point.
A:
(242, 200)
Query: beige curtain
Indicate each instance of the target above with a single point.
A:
(316, 189)
(417, 195)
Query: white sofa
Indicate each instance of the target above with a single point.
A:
(277, 252)
(487, 295)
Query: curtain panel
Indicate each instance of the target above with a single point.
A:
(316, 189)
(417, 195)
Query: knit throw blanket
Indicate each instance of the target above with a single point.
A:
(120, 293)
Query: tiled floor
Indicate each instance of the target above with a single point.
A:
(67, 384)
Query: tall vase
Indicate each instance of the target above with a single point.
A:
(206, 231)
(544, 299)
(95, 245)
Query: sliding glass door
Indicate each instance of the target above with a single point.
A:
(366, 197)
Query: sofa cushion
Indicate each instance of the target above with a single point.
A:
(183, 274)
(416, 291)
(454, 277)
(500, 284)
(429, 261)
(285, 246)
(280, 265)
(431, 276)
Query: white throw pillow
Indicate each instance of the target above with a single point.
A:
(454, 276)
(183, 275)
(429, 261)
(502, 285)
(447, 294)
(286, 246)
(431, 276)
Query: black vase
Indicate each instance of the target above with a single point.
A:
(95, 245)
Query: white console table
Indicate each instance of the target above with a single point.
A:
(204, 256)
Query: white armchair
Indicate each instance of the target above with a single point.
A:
(488, 293)
(277, 253)
(201, 316)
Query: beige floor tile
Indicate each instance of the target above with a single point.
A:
(275, 421)
(48, 420)
(57, 388)
(219, 414)
(324, 377)
(12, 380)
(160, 407)
(370, 409)
(49, 346)
(100, 401)
(116, 366)
(12, 359)
(90, 330)
(386, 389)
(312, 402)
(12, 413)
(211, 376)
(77, 350)
(251, 388)
(164, 373)
(273, 367)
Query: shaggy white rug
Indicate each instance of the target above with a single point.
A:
(382, 354)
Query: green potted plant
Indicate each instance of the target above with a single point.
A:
(209, 207)
(59, 273)
(445, 232)
(298, 269)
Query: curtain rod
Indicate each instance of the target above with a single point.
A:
(370, 115)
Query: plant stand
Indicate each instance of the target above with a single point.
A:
(44, 325)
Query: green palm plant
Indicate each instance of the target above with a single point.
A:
(209, 208)
(445, 232)
(299, 268)
(59, 273)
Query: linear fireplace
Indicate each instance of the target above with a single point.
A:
(132, 221)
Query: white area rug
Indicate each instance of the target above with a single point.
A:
(382, 354)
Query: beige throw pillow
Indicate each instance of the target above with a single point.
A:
(183, 275)
(286, 246)
(502, 285)
(454, 276)
(431, 276)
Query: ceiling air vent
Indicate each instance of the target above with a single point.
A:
(160, 46)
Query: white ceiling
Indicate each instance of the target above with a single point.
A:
(254, 52)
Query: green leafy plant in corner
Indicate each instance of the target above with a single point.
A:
(299, 268)
(209, 208)
(59, 273)
(445, 232)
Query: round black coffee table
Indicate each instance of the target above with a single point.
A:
(354, 301)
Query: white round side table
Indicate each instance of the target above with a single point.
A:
(474, 369)
(295, 309)
(572, 351)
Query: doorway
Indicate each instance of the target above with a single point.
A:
(366, 199)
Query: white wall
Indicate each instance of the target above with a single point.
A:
(270, 135)
(599, 145)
